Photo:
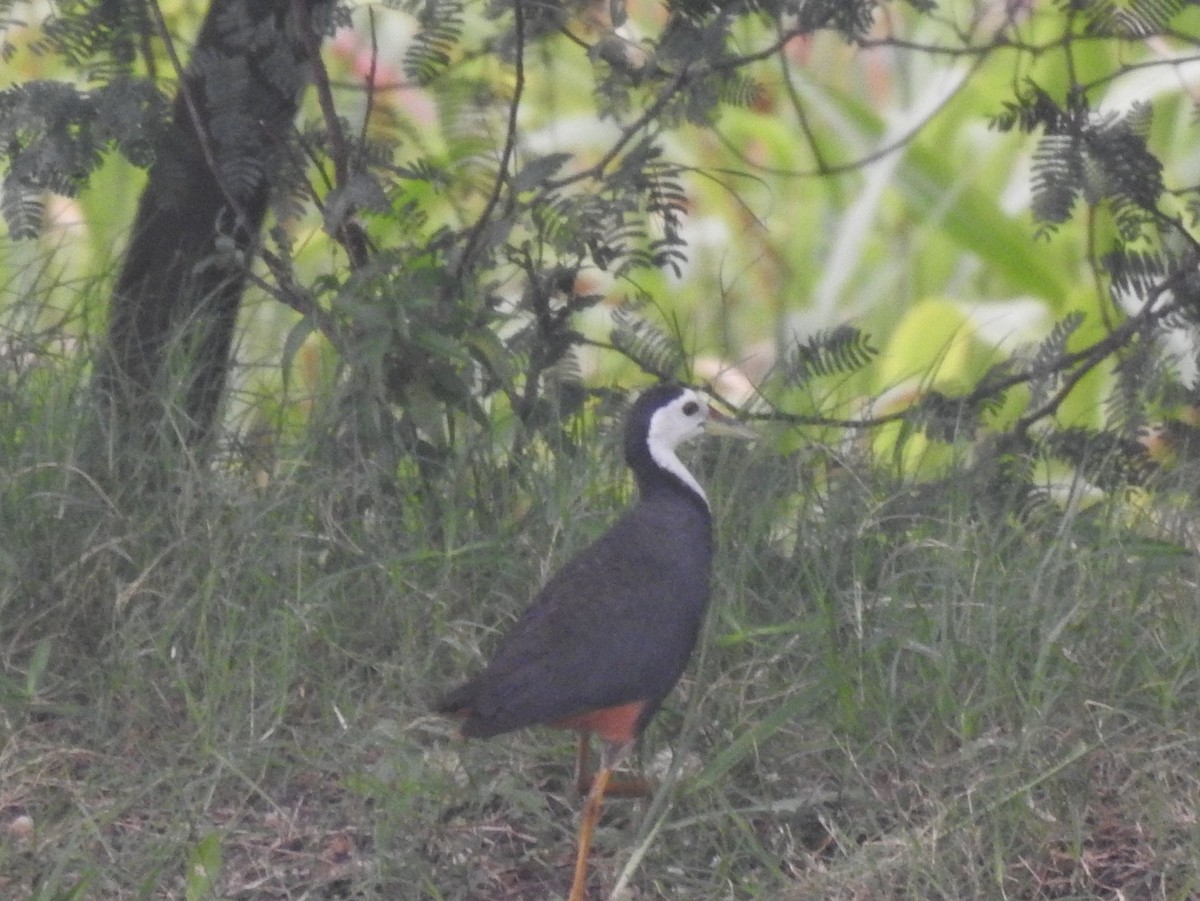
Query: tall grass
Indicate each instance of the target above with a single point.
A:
(904, 691)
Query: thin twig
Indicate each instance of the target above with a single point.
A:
(348, 233)
(372, 74)
(797, 102)
(510, 141)
(628, 133)
(1080, 363)
(824, 169)
(339, 151)
(287, 292)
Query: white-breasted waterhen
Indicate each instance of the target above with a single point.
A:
(611, 632)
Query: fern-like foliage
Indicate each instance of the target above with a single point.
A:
(1146, 274)
(843, 349)
(439, 31)
(634, 222)
(22, 209)
(551, 398)
(1042, 362)
(851, 18)
(666, 203)
(1057, 179)
(653, 350)
(740, 91)
(54, 136)
(1103, 159)
(1049, 351)
(1107, 459)
(1123, 170)
(536, 363)
(993, 382)
(101, 36)
(946, 418)
(702, 102)
(1129, 19)
(1034, 109)
(1140, 273)
(1144, 381)
(551, 304)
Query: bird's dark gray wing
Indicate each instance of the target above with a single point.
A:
(616, 624)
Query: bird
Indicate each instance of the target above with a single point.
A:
(609, 635)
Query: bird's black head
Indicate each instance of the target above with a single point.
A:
(667, 414)
(661, 419)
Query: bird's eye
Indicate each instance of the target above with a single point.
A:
(691, 408)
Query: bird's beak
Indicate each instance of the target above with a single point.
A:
(718, 423)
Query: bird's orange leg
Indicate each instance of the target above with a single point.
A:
(618, 786)
(583, 774)
(587, 825)
(613, 753)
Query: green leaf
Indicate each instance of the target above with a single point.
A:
(296, 337)
(203, 867)
(935, 342)
(945, 194)
(37, 666)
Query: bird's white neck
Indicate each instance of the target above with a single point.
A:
(666, 458)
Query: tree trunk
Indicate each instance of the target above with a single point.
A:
(160, 379)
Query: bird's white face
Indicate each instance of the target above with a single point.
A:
(671, 425)
(676, 422)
